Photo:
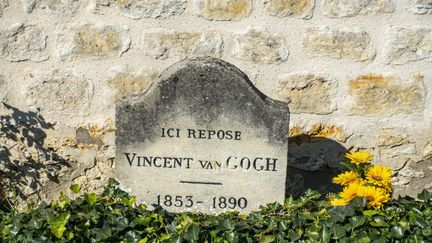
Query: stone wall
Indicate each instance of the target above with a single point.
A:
(357, 74)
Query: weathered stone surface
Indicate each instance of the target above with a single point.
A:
(78, 40)
(23, 42)
(128, 83)
(378, 94)
(3, 5)
(391, 137)
(28, 5)
(308, 93)
(427, 150)
(212, 98)
(164, 43)
(156, 9)
(344, 8)
(260, 46)
(285, 8)
(59, 94)
(419, 6)
(317, 147)
(408, 45)
(223, 9)
(3, 88)
(66, 7)
(323, 41)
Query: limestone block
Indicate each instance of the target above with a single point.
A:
(287, 8)
(157, 9)
(349, 8)
(79, 40)
(22, 42)
(223, 9)
(408, 44)
(308, 93)
(260, 46)
(352, 44)
(379, 94)
(127, 83)
(419, 6)
(164, 43)
(61, 95)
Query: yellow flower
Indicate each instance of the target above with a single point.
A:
(346, 178)
(359, 157)
(379, 175)
(338, 202)
(351, 191)
(375, 196)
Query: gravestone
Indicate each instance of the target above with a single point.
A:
(202, 138)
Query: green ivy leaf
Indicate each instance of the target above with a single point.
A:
(91, 198)
(338, 214)
(397, 232)
(378, 221)
(357, 221)
(57, 224)
(75, 188)
(267, 239)
(424, 196)
(338, 232)
(192, 233)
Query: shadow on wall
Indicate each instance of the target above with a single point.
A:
(312, 163)
(25, 162)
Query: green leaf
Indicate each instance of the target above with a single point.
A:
(424, 195)
(75, 188)
(359, 202)
(397, 232)
(378, 221)
(91, 198)
(427, 232)
(192, 233)
(267, 239)
(293, 236)
(338, 214)
(370, 212)
(357, 221)
(57, 224)
(338, 232)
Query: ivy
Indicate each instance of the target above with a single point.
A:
(115, 216)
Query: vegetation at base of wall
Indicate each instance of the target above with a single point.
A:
(114, 216)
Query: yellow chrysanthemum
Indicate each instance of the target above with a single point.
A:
(375, 196)
(338, 202)
(351, 191)
(359, 157)
(379, 175)
(346, 178)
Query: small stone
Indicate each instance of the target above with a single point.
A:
(164, 43)
(427, 151)
(91, 40)
(260, 46)
(410, 173)
(323, 41)
(401, 181)
(286, 8)
(377, 94)
(23, 42)
(223, 9)
(157, 9)
(308, 93)
(60, 94)
(392, 137)
(408, 44)
(67, 7)
(344, 8)
(28, 5)
(419, 6)
(127, 83)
